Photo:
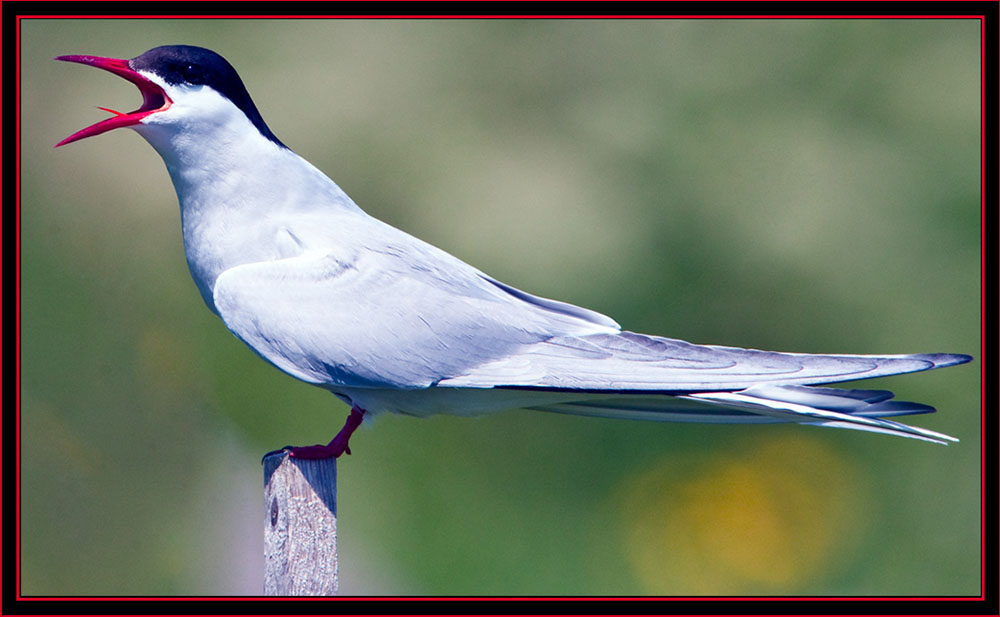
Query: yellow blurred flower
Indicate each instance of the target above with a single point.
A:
(774, 517)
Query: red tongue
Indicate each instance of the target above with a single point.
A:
(111, 111)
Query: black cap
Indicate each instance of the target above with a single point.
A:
(186, 64)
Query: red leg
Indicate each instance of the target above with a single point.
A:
(337, 446)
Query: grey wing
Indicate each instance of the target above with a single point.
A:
(639, 363)
(385, 319)
(636, 376)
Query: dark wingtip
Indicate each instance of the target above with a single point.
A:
(941, 360)
(895, 408)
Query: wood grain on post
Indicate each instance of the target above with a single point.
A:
(300, 526)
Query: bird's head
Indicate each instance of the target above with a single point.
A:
(184, 88)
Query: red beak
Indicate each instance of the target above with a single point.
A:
(154, 99)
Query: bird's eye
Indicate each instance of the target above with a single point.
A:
(190, 73)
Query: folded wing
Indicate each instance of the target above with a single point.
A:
(637, 363)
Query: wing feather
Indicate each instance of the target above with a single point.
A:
(641, 363)
(386, 318)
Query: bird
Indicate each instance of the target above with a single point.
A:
(391, 324)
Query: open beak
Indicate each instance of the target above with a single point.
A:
(154, 99)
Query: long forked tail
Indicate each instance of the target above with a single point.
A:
(863, 410)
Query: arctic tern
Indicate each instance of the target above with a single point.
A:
(389, 323)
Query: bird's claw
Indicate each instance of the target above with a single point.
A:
(337, 446)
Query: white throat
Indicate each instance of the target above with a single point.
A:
(235, 187)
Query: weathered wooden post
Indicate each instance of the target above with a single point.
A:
(300, 526)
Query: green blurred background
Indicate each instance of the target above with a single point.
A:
(801, 185)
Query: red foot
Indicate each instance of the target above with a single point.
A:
(336, 447)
